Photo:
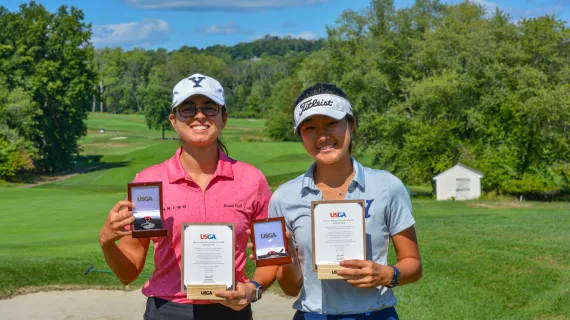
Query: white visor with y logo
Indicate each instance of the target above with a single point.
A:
(198, 84)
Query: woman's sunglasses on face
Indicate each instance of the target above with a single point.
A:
(189, 110)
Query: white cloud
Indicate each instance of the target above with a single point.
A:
(535, 12)
(530, 8)
(219, 4)
(226, 28)
(141, 33)
(307, 35)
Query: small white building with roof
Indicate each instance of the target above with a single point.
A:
(458, 182)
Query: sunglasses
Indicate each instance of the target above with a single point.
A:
(188, 110)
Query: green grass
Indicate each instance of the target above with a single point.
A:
(51, 236)
(482, 259)
(490, 262)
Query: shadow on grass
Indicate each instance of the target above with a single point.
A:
(82, 164)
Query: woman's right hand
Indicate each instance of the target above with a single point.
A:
(114, 227)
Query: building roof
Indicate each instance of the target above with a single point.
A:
(462, 166)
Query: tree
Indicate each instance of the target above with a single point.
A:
(17, 112)
(50, 60)
(157, 99)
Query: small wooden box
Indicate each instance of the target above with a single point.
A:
(265, 231)
(147, 198)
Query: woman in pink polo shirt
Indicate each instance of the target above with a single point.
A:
(200, 184)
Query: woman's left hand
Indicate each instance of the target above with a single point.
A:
(366, 274)
(239, 298)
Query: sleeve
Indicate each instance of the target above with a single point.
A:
(274, 206)
(276, 210)
(262, 199)
(400, 212)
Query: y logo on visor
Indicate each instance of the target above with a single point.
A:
(197, 81)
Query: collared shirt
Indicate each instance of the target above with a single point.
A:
(238, 193)
(388, 212)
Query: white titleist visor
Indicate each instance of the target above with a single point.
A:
(323, 104)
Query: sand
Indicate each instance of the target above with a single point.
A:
(112, 304)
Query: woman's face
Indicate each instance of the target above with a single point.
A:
(198, 129)
(326, 139)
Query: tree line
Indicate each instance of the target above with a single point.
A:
(435, 84)
(51, 77)
(432, 84)
(141, 81)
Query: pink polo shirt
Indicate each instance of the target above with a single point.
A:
(237, 193)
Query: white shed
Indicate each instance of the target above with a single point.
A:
(459, 182)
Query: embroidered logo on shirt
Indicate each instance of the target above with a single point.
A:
(174, 207)
(233, 205)
(368, 204)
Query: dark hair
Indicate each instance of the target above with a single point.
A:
(320, 88)
(221, 145)
(327, 88)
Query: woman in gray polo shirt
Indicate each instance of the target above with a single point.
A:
(325, 122)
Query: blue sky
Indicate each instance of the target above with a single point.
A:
(170, 24)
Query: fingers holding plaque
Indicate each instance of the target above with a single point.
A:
(269, 242)
(147, 199)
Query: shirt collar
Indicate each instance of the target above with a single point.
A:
(176, 171)
(358, 179)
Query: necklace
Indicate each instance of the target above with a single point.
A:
(343, 188)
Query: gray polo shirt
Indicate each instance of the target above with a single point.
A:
(388, 212)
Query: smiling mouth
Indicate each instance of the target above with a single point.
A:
(199, 128)
(327, 147)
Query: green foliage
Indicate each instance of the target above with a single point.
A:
(17, 112)
(157, 99)
(47, 62)
(435, 84)
(248, 72)
(266, 46)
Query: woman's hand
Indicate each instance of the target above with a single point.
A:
(366, 274)
(239, 298)
(114, 227)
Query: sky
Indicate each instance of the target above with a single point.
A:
(170, 24)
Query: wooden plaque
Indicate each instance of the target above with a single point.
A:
(266, 231)
(205, 232)
(151, 224)
(327, 270)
